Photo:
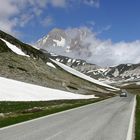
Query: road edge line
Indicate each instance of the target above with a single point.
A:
(131, 123)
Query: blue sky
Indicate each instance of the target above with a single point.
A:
(113, 19)
(121, 16)
(113, 24)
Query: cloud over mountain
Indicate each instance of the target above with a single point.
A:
(84, 43)
(105, 52)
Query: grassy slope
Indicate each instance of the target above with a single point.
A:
(37, 72)
(15, 112)
(137, 126)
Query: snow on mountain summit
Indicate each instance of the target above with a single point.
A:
(56, 37)
(60, 43)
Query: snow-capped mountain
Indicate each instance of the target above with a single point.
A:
(65, 43)
(56, 38)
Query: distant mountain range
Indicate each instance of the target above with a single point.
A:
(121, 73)
(60, 41)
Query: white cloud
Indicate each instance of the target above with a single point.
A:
(91, 23)
(7, 25)
(108, 53)
(95, 3)
(17, 13)
(7, 9)
(25, 18)
(48, 21)
(104, 29)
(58, 3)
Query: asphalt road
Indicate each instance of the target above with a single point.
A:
(107, 120)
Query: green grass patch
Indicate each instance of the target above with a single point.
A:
(15, 112)
(135, 89)
(137, 124)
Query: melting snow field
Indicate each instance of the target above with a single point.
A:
(81, 75)
(11, 90)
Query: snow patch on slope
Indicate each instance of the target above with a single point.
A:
(116, 73)
(11, 90)
(14, 48)
(51, 65)
(138, 83)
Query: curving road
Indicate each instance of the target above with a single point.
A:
(105, 120)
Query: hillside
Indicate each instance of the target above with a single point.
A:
(31, 65)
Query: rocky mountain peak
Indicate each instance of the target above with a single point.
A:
(68, 42)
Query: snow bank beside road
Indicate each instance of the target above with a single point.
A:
(11, 90)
